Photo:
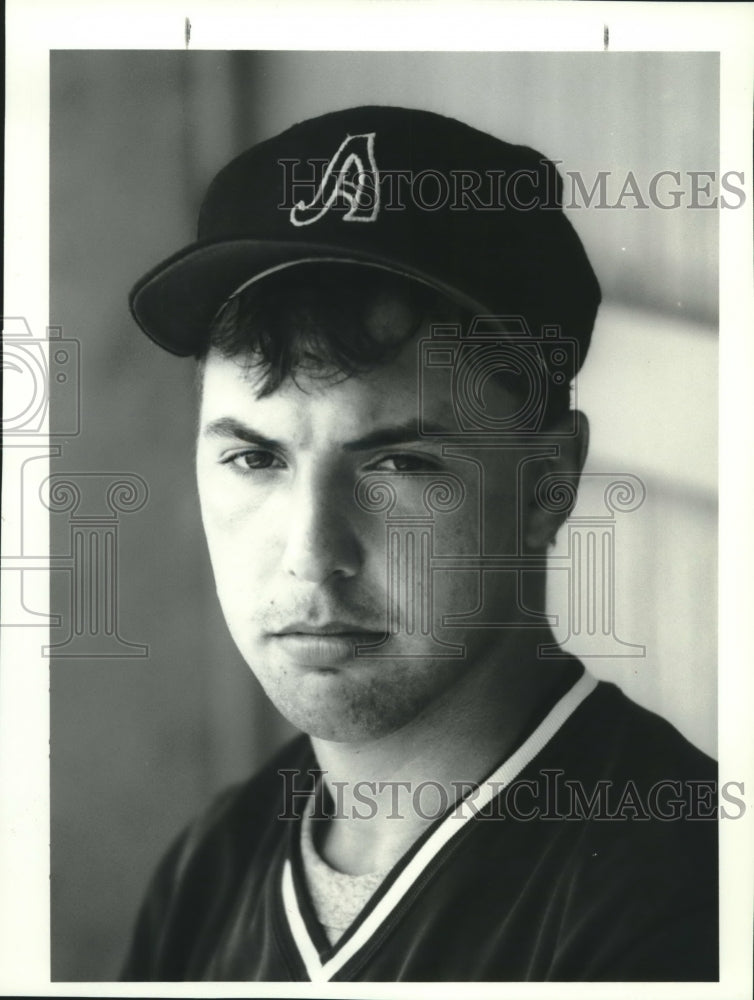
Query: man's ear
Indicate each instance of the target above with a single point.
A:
(551, 483)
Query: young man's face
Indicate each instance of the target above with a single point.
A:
(302, 563)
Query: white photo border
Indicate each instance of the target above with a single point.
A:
(34, 28)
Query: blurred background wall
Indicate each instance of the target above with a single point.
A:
(139, 743)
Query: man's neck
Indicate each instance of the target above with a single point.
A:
(388, 791)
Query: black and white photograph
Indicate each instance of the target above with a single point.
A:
(378, 423)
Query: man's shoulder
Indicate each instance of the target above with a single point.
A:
(643, 801)
(630, 866)
(264, 784)
(611, 733)
(201, 875)
(237, 817)
(264, 787)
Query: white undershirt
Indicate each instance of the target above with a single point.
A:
(338, 898)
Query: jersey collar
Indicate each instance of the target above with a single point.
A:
(323, 961)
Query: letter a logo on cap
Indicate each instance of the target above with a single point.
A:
(351, 175)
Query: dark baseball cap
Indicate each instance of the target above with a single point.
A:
(410, 191)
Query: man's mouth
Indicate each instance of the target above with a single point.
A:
(323, 646)
(334, 628)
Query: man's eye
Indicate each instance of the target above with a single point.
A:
(406, 463)
(253, 460)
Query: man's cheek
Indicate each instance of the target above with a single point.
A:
(234, 514)
(221, 505)
(455, 592)
(486, 522)
(241, 596)
(243, 556)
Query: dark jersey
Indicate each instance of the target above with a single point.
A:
(589, 854)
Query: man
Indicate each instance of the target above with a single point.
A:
(385, 443)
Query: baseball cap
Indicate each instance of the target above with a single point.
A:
(411, 191)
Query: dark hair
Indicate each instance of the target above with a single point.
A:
(322, 319)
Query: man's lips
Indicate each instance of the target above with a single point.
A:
(323, 646)
(335, 628)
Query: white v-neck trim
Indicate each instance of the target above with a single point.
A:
(454, 822)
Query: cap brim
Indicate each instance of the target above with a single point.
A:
(176, 301)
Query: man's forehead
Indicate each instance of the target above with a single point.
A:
(396, 393)
(393, 382)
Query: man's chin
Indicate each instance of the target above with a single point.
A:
(354, 698)
(328, 705)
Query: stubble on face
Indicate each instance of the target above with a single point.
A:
(271, 532)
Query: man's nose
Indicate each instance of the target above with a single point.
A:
(321, 541)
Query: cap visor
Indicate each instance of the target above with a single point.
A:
(176, 301)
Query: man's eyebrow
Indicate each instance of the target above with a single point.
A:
(382, 437)
(228, 427)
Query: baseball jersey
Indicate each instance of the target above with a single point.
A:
(590, 853)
